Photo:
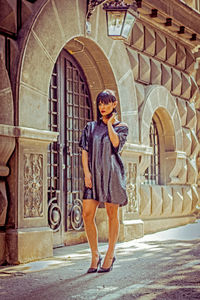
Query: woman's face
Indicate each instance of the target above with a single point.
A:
(106, 109)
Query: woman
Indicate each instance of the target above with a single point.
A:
(101, 142)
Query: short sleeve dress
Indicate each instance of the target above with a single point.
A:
(105, 163)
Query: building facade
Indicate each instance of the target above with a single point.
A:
(51, 72)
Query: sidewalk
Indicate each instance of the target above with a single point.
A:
(164, 265)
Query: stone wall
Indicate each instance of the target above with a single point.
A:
(158, 60)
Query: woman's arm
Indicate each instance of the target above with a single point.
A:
(88, 176)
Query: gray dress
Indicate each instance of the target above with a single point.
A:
(105, 163)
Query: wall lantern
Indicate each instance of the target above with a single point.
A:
(120, 18)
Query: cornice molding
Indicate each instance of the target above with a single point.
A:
(173, 17)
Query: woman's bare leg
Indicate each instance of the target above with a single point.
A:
(113, 218)
(89, 212)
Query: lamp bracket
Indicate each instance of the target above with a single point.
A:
(92, 5)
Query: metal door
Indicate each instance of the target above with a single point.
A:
(69, 110)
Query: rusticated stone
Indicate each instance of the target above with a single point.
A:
(186, 86)
(137, 39)
(191, 120)
(177, 205)
(195, 197)
(149, 41)
(155, 72)
(144, 68)
(166, 79)
(181, 57)
(187, 141)
(167, 200)
(176, 82)
(187, 200)
(190, 61)
(157, 201)
(161, 48)
(171, 52)
(140, 92)
(133, 57)
(145, 200)
(182, 110)
(192, 171)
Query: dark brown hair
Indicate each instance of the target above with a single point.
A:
(105, 97)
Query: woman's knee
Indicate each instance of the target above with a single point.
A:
(112, 211)
(89, 210)
(88, 215)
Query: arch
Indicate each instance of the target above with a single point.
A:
(6, 98)
(159, 100)
(7, 143)
(61, 24)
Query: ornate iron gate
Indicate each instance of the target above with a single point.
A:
(69, 110)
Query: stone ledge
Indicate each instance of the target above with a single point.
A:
(155, 225)
(27, 133)
(137, 149)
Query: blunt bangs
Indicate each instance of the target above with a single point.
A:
(105, 97)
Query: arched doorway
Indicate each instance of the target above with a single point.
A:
(69, 110)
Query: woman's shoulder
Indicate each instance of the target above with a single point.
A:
(121, 124)
(91, 124)
(89, 127)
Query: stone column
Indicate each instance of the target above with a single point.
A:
(28, 236)
(132, 226)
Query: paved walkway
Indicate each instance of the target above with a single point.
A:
(164, 265)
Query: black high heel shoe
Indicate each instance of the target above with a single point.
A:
(94, 270)
(103, 270)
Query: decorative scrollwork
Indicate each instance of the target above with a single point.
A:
(54, 215)
(116, 4)
(76, 214)
(92, 5)
(131, 187)
(33, 185)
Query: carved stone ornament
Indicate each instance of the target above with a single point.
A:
(33, 185)
(131, 187)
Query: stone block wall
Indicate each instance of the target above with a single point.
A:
(166, 81)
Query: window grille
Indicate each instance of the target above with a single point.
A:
(152, 173)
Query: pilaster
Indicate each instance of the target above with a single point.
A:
(7, 145)
(28, 236)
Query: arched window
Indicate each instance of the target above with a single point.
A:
(152, 173)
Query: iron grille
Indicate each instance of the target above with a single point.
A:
(69, 111)
(152, 174)
(53, 155)
(53, 158)
(78, 113)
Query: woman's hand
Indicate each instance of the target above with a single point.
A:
(88, 180)
(112, 119)
(114, 138)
